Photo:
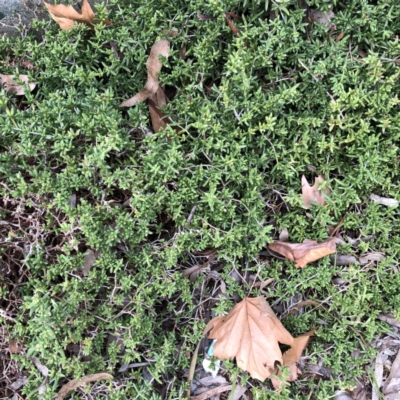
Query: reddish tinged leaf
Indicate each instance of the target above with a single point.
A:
(250, 332)
(66, 16)
(304, 253)
(312, 193)
(153, 65)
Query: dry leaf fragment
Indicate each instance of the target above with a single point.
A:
(90, 257)
(250, 332)
(73, 384)
(342, 395)
(42, 368)
(66, 16)
(292, 357)
(13, 87)
(391, 387)
(389, 318)
(233, 27)
(304, 253)
(212, 392)
(312, 193)
(239, 392)
(158, 99)
(13, 347)
(322, 17)
(378, 377)
(284, 235)
(23, 380)
(384, 200)
(372, 256)
(339, 37)
(153, 65)
(343, 259)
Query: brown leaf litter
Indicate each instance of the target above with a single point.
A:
(312, 194)
(153, 65)
(291, 357)
(10, 86)
(304, 253)
(251, 333)
(67, 16)
(391, 386)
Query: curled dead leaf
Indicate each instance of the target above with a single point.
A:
(312, 194)
(66, 16)
(304, 253)
(158, 99)
(73, 384)
(13, 87)
(250, 332)
(153, 65)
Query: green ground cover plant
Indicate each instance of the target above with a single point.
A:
(250, 113)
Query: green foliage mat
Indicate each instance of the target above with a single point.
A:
(251, 114)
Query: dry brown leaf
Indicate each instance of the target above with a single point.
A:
(233, 27)
(182, 52)
(158, 120)
(13, 87)
(66, 16)
(250, 332)
(311, 193)
(73, 384)
(304, 253)
(292, 357)
(153, 65)
(391, 387)
(14, 347)
(339, 37)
